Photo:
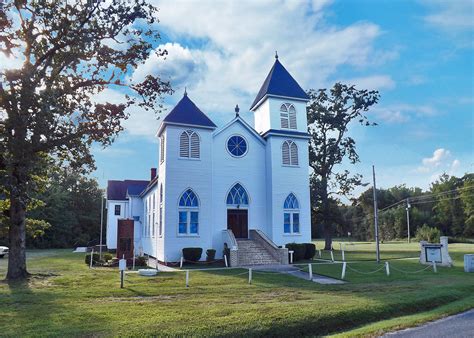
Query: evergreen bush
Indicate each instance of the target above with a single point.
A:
(210, 255)
(192, 254)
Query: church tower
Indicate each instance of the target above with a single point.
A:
(280, 117)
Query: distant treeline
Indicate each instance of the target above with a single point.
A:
(448, 205)
(67, 212)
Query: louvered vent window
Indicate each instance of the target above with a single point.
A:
(288, 116)
(289, 152)
(189, 145)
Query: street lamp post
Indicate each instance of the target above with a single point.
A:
(101, 222)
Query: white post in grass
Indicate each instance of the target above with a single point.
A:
(250, 275)
(332, 256)
(310, 270)
(225, 261)
(187, 278)
(434, 267)
(133, 262)
(343, 274)
(92, 258)
(291, 252)
(319, 251)
(387, 268)
(343, 256)
(181, 262)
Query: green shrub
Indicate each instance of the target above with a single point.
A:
(95, 259)
(299, 251)
(192, 254)
(310, 250)
(140, 261)
(107, 256)
(427, 233)
(210, 255)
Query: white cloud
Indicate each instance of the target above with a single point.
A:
(228, 48)
(451, 15)
(440, 162)
(373, 82)
(402, 113)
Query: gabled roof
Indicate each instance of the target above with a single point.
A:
(247, 126)
(279, 83)
(118, 190)
(186, 112)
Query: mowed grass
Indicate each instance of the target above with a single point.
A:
(65, 298)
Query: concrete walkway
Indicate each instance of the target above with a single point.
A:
(295, 271)
(152, 263)
(460, 325)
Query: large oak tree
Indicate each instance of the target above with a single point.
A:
(70, 52)
(329, 114)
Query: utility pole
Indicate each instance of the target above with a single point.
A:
(101, 221)
(408, 218)
(376, 219)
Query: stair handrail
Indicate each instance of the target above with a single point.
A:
(228, 237)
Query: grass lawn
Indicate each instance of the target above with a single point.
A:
(64, 298)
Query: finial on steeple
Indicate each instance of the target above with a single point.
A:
(185, 92)
(237, 109)
(276, 55)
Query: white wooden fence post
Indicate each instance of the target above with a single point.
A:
(291, 256)
(92, 258)
(319, 251)
(310, 269)
(332, 256)
(181, 262)
(387, 268)
(343, 274)
(187, 278)
(343, 256)
(434, 267)
(133, 262)
(250, 275)
(225, 261)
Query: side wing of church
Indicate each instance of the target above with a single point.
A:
(241, 187)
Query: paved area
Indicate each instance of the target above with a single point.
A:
(461, 325)
(296, 271)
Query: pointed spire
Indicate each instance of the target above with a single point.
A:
(276, 55)
(237, 109)
(185, 92)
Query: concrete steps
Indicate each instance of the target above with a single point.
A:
(252, 253)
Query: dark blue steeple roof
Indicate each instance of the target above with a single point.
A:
(186, 112)
(280, 83)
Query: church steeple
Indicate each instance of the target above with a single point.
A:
(279, 83)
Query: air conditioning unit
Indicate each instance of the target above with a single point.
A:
(469, 263)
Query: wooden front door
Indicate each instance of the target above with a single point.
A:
(237, 221)
(125, 238)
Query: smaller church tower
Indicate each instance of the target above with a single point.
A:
(280, 117)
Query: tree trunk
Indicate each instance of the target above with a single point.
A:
(17, 235)
(327, 224)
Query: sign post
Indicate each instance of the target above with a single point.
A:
(122, 267)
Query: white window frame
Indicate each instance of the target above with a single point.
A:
(188, 210)
(191, 151)
(288, 116)
(293, 154)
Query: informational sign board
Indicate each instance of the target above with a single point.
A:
(433, 254)
(122, 264)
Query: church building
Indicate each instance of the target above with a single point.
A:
(237, 186)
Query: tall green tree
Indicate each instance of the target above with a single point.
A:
(329, 114)
(71, 51)
(467, 199)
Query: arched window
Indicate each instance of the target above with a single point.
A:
(162, 148)
(288, 116)
(188, 223)
(189, 144)
(289, 153)
(237, 196)
(291, 215)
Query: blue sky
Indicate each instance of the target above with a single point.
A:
(418, 54)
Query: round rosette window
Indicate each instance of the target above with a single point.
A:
(237, 146)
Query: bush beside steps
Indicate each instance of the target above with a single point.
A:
(301, 251)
